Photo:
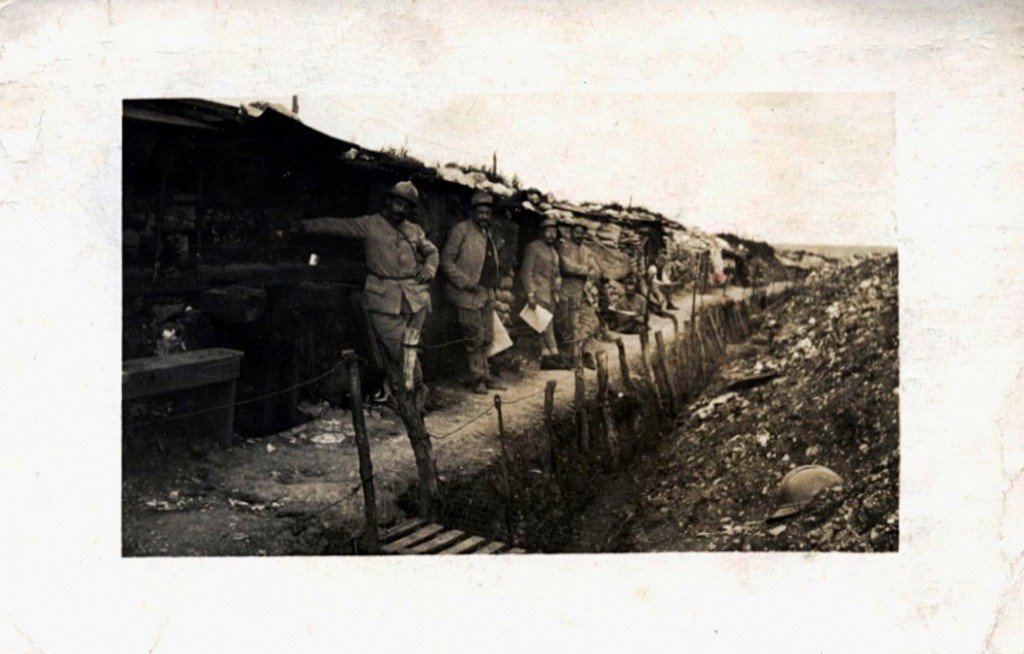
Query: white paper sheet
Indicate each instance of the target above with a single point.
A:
(538, 319)
(501, 340)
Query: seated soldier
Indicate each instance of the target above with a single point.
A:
(627, 313)
(650, 290)
(664, 279)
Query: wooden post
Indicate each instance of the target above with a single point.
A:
(645, 346)
(673, 401)
(627, 379)
(682, 365)
(509, 522)
(723, 330)
(371, 542)
(704, 355)
(716, 333)
(422, 450)
(697, 360)
(729, 313)
(549, 424)
(699, 264)
(648, 377)
(675, 323)
(611, 439)
(737, 320)
(582, 417)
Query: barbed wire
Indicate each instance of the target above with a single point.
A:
(572, 312)
(258, 398)
(355, 489)
(309, 516)
(437, 346)
(441, 437)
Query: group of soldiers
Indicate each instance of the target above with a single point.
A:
(562, 276)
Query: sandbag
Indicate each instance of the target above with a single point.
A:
(613, 263)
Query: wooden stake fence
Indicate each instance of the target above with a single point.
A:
(371, 540)
(611, 439)
(667, 389)
(648, 377)
(627, 379)
(582, 416)
(506, 482)
(549, 425)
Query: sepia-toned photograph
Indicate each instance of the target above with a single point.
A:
(509, 325)
(576, 326)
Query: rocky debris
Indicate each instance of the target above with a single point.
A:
(834, 346)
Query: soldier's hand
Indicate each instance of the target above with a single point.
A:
(422, 277)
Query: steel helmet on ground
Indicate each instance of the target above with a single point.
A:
(407, 191)
(797, 489)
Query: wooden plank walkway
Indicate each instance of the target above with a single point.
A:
(417, 536)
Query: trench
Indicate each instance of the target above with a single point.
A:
(534, 495)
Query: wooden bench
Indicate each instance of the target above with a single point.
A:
(216, 370)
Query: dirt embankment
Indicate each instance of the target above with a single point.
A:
(710, 486)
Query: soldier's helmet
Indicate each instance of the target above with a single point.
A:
(799, 487)
(406, 191)
(481, 197)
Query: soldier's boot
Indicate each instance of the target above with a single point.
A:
(555, 362)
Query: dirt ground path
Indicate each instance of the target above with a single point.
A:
(258, 498)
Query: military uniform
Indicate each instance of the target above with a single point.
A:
(628, 314)
(540, 275)
(576, 307)
(394, 256)
(469, 260)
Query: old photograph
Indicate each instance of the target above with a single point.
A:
(354, 327)
(421, 326)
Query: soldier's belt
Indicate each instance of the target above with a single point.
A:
(397, 278)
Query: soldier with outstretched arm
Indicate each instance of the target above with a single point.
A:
(401, 263)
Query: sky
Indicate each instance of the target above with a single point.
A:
(784, 167)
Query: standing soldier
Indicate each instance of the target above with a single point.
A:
(541, 278)
(401, 263)
(577, 306)
(470, 262)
